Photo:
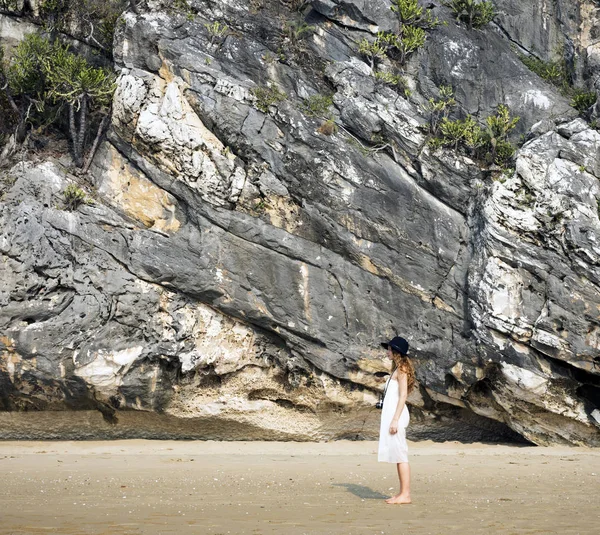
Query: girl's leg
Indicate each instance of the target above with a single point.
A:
(389, 500)
(404, 476)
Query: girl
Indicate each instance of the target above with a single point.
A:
(395, 417)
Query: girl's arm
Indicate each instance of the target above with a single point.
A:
(403, 391)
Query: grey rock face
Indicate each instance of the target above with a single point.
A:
(485, 72)
(241, 266)
(541, 28)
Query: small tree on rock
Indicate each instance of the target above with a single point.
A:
(47, 80)
(475, 13)
(83, 88)
(499, 126)
(440, 108)
(410, 13)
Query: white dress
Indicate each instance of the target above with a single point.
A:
(393, 448)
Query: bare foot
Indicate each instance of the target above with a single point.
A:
(399, 500)
(392, 498)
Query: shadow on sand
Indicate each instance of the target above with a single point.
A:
(361, 491)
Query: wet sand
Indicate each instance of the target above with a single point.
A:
(174, 487)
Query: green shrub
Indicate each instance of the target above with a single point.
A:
(294, 32)
(411, 39)
(74, 197)
(583, 100)
(459, 132)
(389, 78)
(394, 80)
(184, 8)
(501, 124)
(96, 19)
(397, 46)
(10, 116)
(217, 31)
(267, 96)
(489, 144)
(412, 35)
(435, 143)
(27, 72)
(553, 72)
(556, 73)
(50, 81)
(317, 106)
(496, 147)
(475, 13)
(440, 108)
(504, 153)
(9, 5)
(414, 21)
(374, 51)
(410, 13)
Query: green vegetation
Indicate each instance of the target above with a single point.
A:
(217, 31)
(410, 13)
(414, 21)
(374, 51)
(260, 206)
(397, 46)
(28, 70)
(74, 197)
(48, 84)
(410, 40)
(97, 19)
(294, 32)
(465, 132)
(489, 144)
(394, 80)
(475, 13)
(439, 108)
(495, 139)
(557, 74)
(389, 78)
(582, 100)
(317, 106)
(184, 8)
(553, 72)
(256, 6)
(8, 111)
(267, 96)
(8, 5)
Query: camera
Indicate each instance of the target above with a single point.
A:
(379, 404)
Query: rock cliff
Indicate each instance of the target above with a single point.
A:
(244, 257)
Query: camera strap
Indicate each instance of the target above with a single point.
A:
(388, 383)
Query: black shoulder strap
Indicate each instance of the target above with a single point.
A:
(388, 382)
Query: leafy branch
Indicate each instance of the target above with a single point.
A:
(46, 77)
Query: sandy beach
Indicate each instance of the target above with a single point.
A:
(168, 487)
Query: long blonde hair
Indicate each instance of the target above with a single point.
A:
(404, 365)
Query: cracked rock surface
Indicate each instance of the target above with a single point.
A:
(240, 264)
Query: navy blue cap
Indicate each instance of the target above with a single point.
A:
(398, 344)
